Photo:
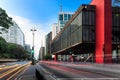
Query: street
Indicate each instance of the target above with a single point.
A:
(51, 70)
(71, 72)
(12, 70)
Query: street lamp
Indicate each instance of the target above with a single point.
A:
(32, 52)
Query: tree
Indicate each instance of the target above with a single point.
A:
(11, 49)
(48, 57)
(5, 20)
(3, 45)
(17, 51)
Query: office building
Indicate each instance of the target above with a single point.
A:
(14, 35)
(55, 30)
(27, 47)
(63, 17)
(48, 40)
(42, 53)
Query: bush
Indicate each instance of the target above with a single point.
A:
(48, 57)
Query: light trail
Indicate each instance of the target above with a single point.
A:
(10, 71)
(9, 67)
(17, 72)
(78, 73)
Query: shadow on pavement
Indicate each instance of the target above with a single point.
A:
(38, 75)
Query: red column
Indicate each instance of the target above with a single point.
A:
(55, 57)
(71, 58)
(103, 51)
(108, 32)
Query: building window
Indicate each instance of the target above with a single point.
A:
(65, 16)
(61, 17)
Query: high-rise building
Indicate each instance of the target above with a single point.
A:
(42, 53)
(55, 30)
(27, 47)
(14, 35)
(48, 43)
(63, 17)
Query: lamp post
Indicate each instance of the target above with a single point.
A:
(33, 33)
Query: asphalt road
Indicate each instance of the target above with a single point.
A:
(21, 71)
(11, 70)
(61, 72)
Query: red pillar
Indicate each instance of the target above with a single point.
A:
(71, 58)
(103, 52)
(55, 57)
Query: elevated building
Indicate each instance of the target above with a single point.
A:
(94, 29)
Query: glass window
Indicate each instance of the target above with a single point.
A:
(79, 19)
(61, 17)
(87, 18)
(65, 16)
(69, 16)
(84, 34)
(87, 34)
(93, 18)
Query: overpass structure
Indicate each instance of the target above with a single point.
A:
(93, 29)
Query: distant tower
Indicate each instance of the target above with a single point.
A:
(61, 7)
(41, 43)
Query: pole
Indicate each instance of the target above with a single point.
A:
(33, 33)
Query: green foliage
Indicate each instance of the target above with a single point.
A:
(11, 50)
(5, 20)
(3, 45)
(5, 55)
(16, 51)
(48, 57)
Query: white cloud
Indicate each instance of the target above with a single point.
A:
(25, 25)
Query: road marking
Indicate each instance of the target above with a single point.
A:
(7, 67)
(25, 77)
(10, 71)
(22, 73)
(17, 72)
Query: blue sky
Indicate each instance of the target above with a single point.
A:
(40, 14)
(40, 10)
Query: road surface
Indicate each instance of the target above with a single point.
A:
(63, 72)
(9, 71)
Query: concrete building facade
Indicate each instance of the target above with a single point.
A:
(27, 47)
(55, 30)
(14, 35)
(48, 40)
(42, 53)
